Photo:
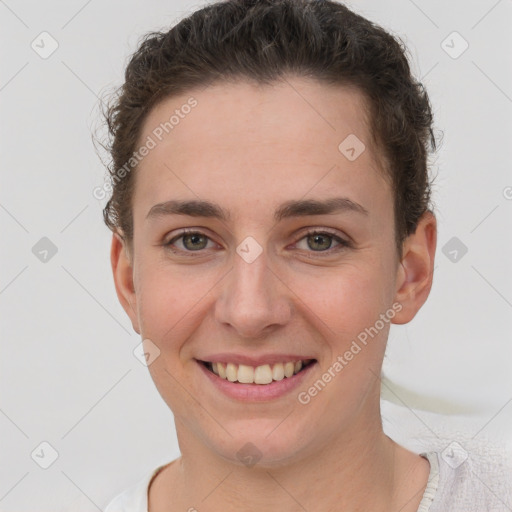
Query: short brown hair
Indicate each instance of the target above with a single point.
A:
(262, 41)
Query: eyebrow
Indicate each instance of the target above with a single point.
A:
(289, 209)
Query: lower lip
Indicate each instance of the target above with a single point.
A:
(257, 392)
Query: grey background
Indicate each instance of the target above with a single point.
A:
(68, 373)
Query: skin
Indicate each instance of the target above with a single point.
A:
(250, 148)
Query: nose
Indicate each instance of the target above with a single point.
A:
(254, 299)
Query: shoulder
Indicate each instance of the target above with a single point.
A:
(463, 482)
(135, 497)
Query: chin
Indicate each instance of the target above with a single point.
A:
(255, 445)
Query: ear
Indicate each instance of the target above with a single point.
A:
(416, 268)
(122, 269)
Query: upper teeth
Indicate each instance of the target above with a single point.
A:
(263, 374)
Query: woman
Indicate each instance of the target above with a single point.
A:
(271, 219)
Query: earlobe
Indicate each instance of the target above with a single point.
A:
(122, 270)
(415, 271)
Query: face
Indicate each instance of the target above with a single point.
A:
(289, 256)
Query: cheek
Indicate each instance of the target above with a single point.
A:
(162, 298)
(171, 301)
(346, 307)
(171, 304)
(346, 299)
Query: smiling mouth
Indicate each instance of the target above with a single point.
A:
(264, 374)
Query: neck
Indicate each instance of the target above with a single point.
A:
(359, 470)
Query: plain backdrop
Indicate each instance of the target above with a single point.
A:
(74, 396)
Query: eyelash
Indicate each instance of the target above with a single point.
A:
(343, 244)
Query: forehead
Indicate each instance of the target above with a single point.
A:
(254, 139)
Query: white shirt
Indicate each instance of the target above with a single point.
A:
(453, 486)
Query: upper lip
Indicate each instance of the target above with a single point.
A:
(252, 360)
